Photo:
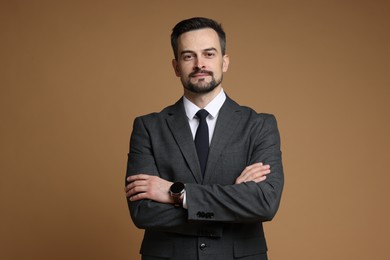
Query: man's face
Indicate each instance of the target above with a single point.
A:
(200, 64)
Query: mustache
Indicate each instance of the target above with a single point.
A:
(202, 72)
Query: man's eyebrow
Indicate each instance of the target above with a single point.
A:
(207, 49)
(211, 49)
(186, 51)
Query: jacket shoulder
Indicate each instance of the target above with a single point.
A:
(254, 115)
(167, 111)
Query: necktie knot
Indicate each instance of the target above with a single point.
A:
(202, 114)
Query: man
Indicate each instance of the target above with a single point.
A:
(200, 183)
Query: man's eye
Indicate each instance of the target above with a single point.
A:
(187, 57)
(210, 54)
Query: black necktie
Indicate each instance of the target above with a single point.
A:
(202, 139)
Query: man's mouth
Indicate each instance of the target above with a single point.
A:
(202, 73)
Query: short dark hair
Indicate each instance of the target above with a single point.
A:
(196, 23)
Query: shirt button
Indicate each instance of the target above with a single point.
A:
(202, 246)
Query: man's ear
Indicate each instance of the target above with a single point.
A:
(225, 62)
(176, 67)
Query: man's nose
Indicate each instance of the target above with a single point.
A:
(199, 64)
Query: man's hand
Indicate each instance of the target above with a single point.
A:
(256, 172)
(144, 186)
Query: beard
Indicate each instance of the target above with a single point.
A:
(201, 87)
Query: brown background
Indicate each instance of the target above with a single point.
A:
(74, 74)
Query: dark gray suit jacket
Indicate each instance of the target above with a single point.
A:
(223, 220)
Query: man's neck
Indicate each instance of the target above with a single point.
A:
(201, 100)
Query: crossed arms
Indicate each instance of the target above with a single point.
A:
(145, 186)
(253, 196)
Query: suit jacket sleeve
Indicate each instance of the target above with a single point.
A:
(245, 202)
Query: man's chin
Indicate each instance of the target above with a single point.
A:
(200, 82)
(201, 89)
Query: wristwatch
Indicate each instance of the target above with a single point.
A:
(176, 191)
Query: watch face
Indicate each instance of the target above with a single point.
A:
(177, 187)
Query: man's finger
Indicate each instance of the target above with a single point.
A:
(138, 177)
(136, 189)
(260, 179)
(254, 173)
(138, 196)
(249, 169)
(135, 183)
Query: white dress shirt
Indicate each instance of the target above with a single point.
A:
(213, 108)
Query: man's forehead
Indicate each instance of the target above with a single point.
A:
(200, 39)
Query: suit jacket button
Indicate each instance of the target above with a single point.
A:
(202, 246)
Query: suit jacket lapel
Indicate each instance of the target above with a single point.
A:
(178, 124)
(228, 119)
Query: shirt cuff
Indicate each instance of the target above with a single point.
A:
(185, 200)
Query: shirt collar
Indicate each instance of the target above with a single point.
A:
(213, 107)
